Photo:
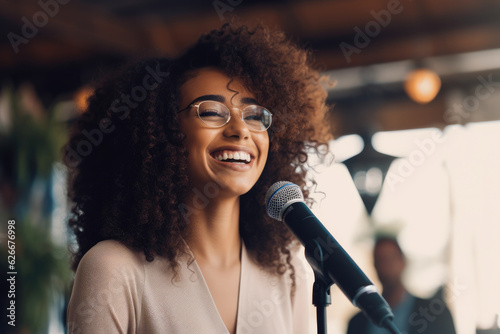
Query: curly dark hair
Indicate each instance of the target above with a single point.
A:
(126, 160)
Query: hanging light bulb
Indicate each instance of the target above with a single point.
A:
(422, 85)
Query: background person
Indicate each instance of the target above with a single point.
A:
(411, 314)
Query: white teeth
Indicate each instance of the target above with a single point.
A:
(243, 156)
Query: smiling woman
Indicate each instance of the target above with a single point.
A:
(169, 212)
(208, 138)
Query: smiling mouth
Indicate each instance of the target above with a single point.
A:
(237, 157)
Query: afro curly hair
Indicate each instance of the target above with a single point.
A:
(129, 186)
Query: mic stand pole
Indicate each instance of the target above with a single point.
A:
(321, 287)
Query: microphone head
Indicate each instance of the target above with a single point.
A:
(280, 195)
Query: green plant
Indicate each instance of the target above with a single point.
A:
(30, 143)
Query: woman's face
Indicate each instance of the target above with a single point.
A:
(207, 145)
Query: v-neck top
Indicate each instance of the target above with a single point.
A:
(116, 290)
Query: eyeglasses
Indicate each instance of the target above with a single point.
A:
(216, 115)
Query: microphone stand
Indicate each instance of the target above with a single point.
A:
(321, 287)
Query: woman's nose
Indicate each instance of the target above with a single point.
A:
(236, 126)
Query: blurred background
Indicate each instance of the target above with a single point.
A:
(415, 117)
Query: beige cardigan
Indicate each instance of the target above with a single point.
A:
(117, 291)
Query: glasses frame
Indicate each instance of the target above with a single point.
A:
(197, 105)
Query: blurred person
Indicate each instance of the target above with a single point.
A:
(169, 213)
(412, 315)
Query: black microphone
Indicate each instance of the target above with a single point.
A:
(285, 202)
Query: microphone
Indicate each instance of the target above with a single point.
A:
(285, 202)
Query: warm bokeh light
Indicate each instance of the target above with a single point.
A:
(81, 97)
(422, 85)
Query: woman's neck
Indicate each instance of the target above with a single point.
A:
(213, 232)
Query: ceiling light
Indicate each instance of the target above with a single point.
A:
(422, 85)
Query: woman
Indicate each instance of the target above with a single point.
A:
(175, 158)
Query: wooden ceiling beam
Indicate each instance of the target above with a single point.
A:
(93, 31)
(443, 43)
(317, 19)
(76, 24)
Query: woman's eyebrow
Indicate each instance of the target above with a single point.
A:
(218, 98)
(248, 100)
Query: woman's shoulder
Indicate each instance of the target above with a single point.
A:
(107, 290)
(113, 250)
(112, 256)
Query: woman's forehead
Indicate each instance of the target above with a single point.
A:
(214, 82)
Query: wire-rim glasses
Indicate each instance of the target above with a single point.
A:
(216, 114)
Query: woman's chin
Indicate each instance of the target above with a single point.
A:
(235, 187)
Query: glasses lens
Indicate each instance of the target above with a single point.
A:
(257, 118)
(213, 113)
